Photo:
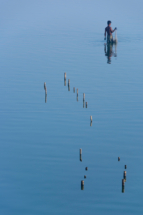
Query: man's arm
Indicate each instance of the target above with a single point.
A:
(113, 30)
(105, 32)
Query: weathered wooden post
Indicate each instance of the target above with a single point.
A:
(65, 76)
(83, 96)
(124, 175)
(44, 85)
(77, 91)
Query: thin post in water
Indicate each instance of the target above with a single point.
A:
(83, 96)
(77, 91)
(124, 175)
(44, 85)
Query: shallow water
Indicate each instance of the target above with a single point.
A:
(40, 170)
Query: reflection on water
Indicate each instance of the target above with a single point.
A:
(45, 88)
(45, 97)
(82, 185)
(123, 189)
(83, 104)
(123, 185)
(110, 50)
(69, 85)
(80, 154)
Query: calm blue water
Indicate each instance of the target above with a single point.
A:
(40, 171)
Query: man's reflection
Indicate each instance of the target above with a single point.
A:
(108, 49)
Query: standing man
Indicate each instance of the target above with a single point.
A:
(109, 31)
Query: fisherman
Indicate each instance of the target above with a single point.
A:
(109, 31)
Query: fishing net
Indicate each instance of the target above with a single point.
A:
(115, 39)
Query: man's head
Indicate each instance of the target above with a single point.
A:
(109, 23)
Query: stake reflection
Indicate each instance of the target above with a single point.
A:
(45, 97)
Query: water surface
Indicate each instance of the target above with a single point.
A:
(40, 171)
